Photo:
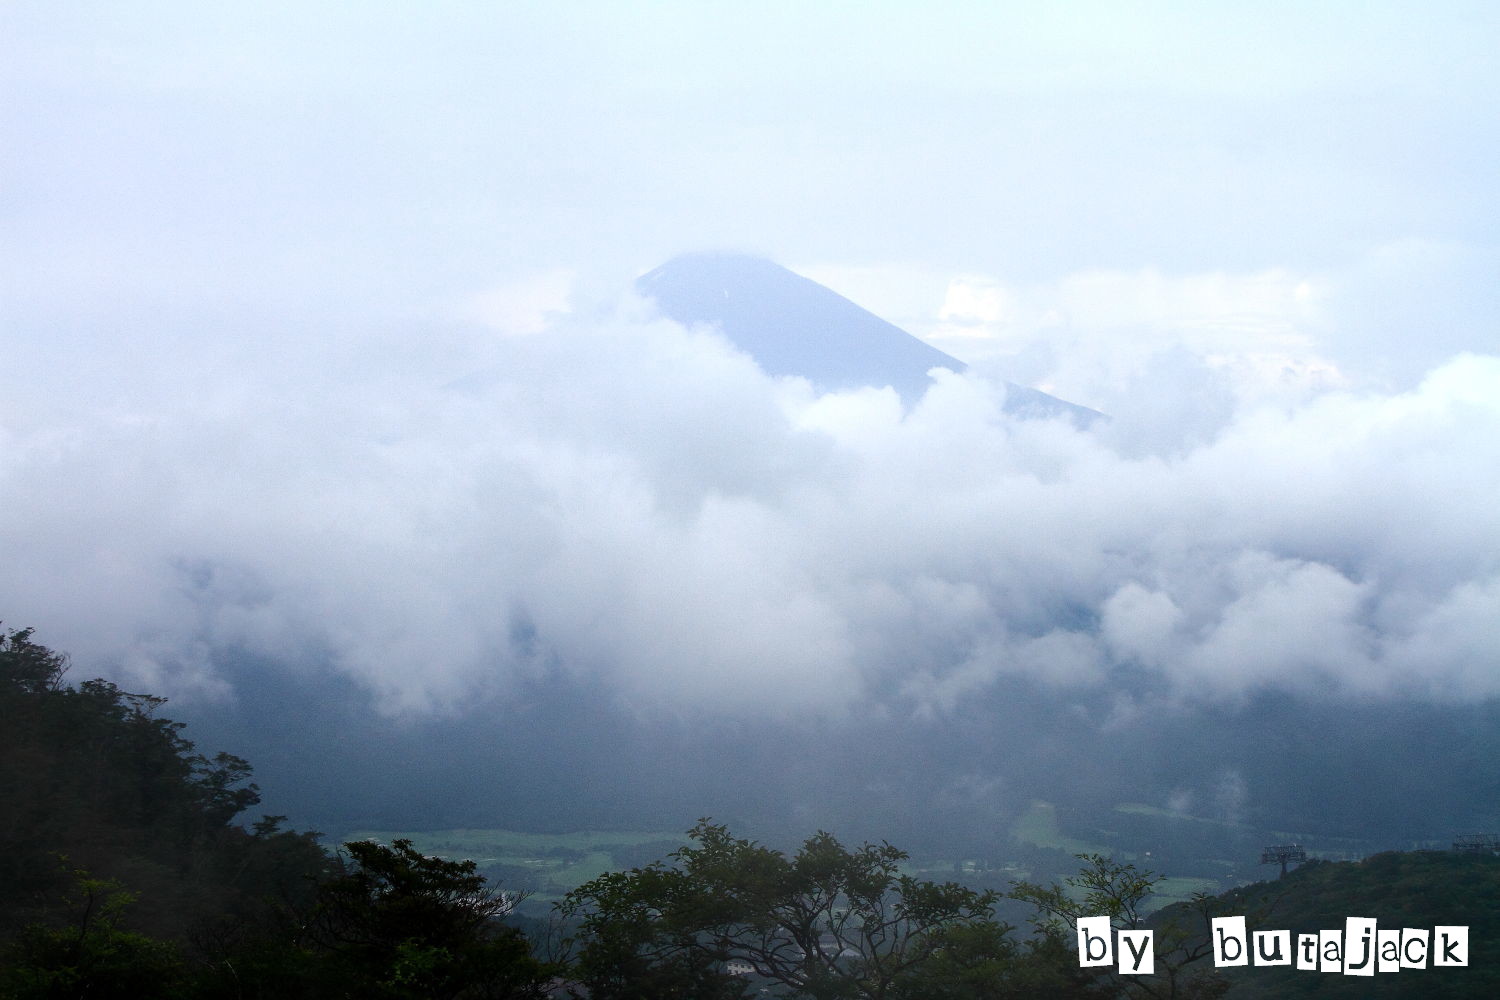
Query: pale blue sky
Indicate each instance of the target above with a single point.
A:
(391, 156)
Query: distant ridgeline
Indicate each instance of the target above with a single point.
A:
(793, 326)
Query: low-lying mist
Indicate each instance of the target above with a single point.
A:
(616, 556)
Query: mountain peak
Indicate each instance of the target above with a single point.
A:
(792, 325)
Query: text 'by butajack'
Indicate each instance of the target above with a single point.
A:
(1360, 949)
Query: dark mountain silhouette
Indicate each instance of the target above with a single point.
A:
(793, 326)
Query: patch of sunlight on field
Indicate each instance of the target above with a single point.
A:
(1038, 827)
(1141, 809)
(593, 865)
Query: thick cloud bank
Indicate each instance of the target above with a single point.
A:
(637, 504)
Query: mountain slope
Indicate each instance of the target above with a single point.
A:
(1422, 889)
(794, 326)
(790, 325)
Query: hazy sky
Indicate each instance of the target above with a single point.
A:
(245, 248)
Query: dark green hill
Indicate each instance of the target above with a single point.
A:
(1420, 889)
(93, 779)
(123, 873)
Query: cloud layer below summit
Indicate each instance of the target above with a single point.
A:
(625, 500)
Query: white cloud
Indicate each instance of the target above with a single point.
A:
(524, 305)
(1156, 351)
(974, 299)
(691, 534)
(1140, 625)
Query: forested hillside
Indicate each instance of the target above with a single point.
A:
(1417, 889)
(124, 872)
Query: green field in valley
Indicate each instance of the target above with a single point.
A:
(547, 865)
(1191, 853)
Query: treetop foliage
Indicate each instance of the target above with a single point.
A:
(828, 922)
